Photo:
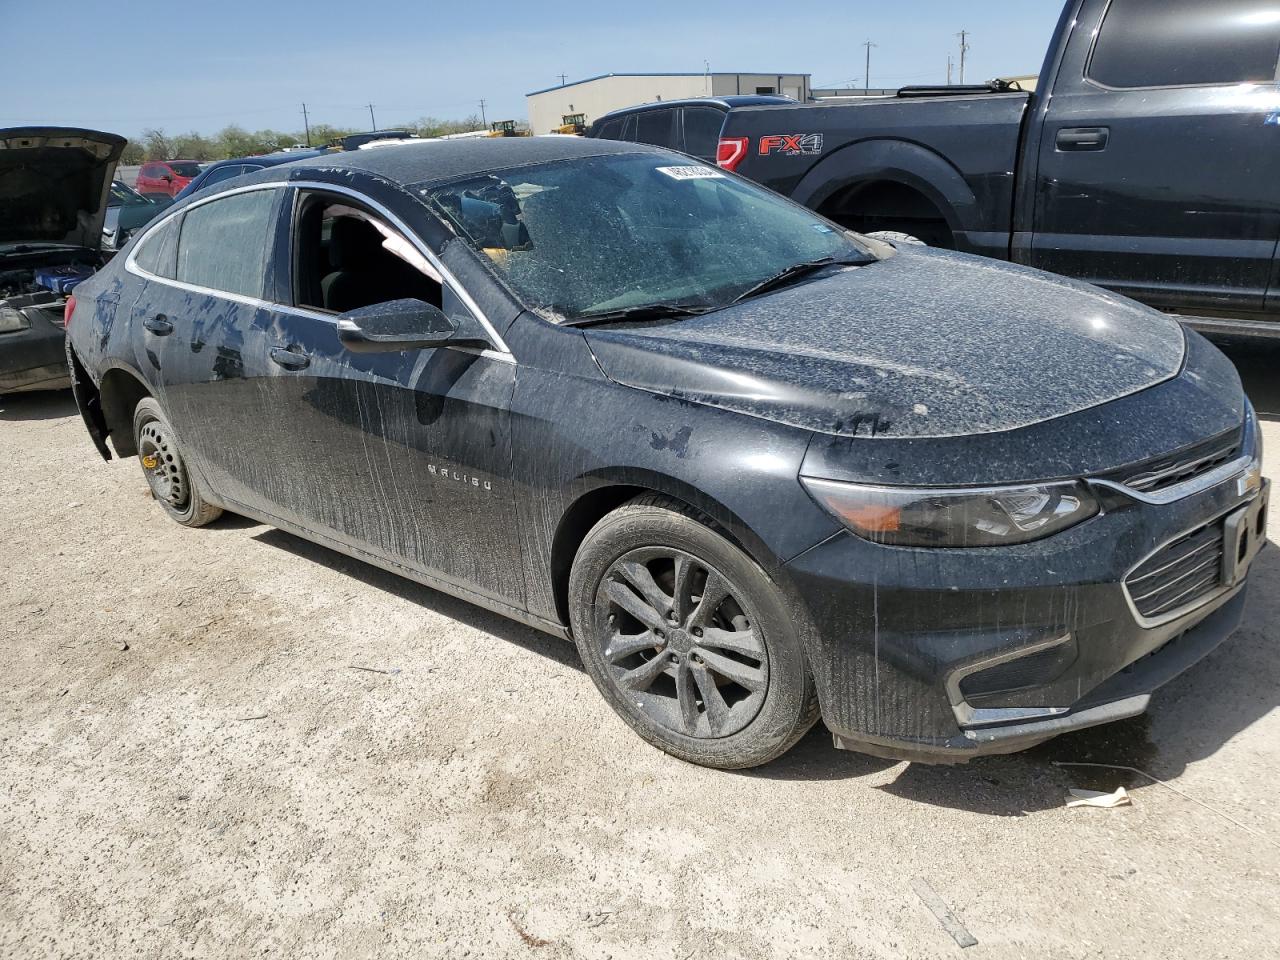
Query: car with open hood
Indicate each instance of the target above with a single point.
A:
(760, 469)
(127, 210)
(54, 189)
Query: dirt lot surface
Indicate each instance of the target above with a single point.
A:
(192, 765)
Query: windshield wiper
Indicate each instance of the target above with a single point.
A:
(647, 311)
(796, 271)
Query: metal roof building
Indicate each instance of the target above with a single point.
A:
(596, 96)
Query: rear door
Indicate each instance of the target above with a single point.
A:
(204, 325)
(1158, 173)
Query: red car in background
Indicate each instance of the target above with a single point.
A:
(165, 177)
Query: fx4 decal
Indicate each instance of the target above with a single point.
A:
(791, 145)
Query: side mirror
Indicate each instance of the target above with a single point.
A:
(400, 325)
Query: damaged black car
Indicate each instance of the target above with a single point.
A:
(760, 469)
(54, 190)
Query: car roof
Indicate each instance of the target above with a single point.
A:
(728, 102)
(426, 160)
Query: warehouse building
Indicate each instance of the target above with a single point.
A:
(596, 96)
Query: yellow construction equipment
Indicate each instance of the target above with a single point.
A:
(572, 123)
(506, 128)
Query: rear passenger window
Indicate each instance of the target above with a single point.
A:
(655, 127)
(155, 253)
(1172, 43)
(610, 130)
(702, 131)
(223, 173)
(224, 244)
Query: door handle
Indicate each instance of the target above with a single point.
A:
(289, 359)
(159, 325)
(1083, 138)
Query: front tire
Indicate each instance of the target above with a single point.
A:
(165, 470)
(688, 639)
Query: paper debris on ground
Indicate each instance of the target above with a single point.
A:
(1094, 798)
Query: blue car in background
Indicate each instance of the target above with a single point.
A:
(226, 169)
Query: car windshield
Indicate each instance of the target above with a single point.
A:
(184, 169)
(591, 236)
(122, 195)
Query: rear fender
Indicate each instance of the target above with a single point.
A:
(89, 402)
(897, 161)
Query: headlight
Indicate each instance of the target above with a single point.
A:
(12, 320)
(960, 517)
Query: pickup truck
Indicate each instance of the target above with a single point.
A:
(1146, 160)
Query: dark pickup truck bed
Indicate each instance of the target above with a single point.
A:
(1147, 160)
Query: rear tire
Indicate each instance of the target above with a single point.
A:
(688, 639)
(165, 470)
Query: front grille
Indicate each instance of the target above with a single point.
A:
(1178, 574)
(1186, 464)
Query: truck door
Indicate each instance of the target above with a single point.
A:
(1158, 173)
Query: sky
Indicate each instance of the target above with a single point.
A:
(126, 66)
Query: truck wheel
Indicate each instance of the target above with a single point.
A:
(165, 470)
(688, 639)
(895, 236)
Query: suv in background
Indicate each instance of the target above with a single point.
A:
(690, 126)
(165, 177)
(226, 169)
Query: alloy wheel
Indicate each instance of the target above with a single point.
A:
(680, 641)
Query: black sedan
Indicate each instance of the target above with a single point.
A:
(758, 468)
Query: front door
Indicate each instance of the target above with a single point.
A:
(407, 454)
(1158, 173)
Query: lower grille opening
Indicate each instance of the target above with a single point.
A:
(1179, 574)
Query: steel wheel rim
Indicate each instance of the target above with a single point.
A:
(681, 641)
(162, 466)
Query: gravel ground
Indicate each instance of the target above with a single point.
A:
(192, 765)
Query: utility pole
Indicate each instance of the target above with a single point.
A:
(372, 121)
(948, 69)
(866, 77)
(484, 123)
(964, 48)
(563, 78)
(306, 123)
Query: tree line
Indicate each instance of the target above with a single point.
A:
(235, 141)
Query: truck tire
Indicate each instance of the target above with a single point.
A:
(688, 639)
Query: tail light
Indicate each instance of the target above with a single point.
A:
(68, 310)
(730, 151)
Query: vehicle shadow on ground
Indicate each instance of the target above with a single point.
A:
(561, 651)
(1258, 362)
(37, 405)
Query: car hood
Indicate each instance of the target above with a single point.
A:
(54, 184)
(924, 344)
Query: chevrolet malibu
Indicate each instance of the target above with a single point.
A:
(759, 469)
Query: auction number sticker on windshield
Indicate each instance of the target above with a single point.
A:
(692, 172)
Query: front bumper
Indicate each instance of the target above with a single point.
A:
(33, 359)
(944, 655)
